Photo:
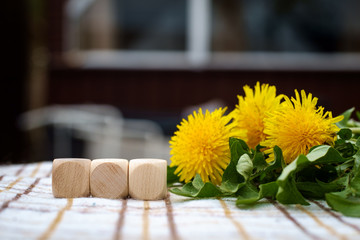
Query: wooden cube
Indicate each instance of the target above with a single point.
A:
(71, 177)
(147, 179)
(109, 178)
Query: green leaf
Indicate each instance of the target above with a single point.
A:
(336, 185)
(208, 190)
(188, 190)
(247, 194)
(197, 189)
(344, 203)
(231, 174)
(231, 180)
(259, 161)
(197, 182)
(310, 190)
(258, 148)
(355, 184)
(268, 190)
(288, 192)
(357, 161)
(245, 166)
(318, 189)
(229, 188)
(311, 173)
(346, 149)
(171, 176)
(345, 133)
(279, 160)
(358, 115)
(357, 143)
(250, 196)
(237, 148)
(324, 154)
(344, 167)
(272, 169)
(347, 116)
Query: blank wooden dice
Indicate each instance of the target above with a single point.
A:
(147, 179)
(109, 178)
(71, 177)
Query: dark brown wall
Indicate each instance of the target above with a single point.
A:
(171, 91)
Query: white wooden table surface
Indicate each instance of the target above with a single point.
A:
(28, 210)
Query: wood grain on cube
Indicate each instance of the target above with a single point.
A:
(147, 179)
(71, 177)
(109, 178)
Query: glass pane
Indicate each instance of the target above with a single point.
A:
(151, 25)
(286, 25)
(127, 24)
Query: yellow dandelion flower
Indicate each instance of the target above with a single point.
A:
(298, 126)
(249, 114)
(201, 145)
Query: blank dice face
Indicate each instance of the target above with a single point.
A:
(147, 179)
(70, 177)
(109, 178)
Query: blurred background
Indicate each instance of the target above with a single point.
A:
(113, 78)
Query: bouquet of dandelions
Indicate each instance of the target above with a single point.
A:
(270, 146)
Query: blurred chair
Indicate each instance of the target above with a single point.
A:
(144, 138)
(98, 126)
(102, 129)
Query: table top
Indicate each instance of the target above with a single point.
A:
(28, 210)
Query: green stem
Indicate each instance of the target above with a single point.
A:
(355, 130)
(255, 176)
